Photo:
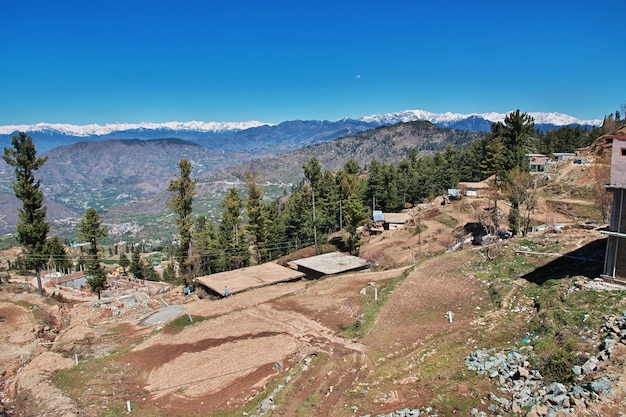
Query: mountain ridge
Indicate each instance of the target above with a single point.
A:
(226, 135)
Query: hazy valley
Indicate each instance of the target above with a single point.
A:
(124, 174)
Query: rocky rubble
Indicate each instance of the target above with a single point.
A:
(524, 391)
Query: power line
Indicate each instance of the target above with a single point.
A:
(213, 252)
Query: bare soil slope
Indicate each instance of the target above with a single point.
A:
(290, 348)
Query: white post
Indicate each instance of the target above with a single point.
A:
(189, 315)
(449, 314)
(128, 406)
(375, 293)
(76, 358)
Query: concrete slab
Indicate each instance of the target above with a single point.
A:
(247, 278)
(330, 264)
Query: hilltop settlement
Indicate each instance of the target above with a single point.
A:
(480, 299)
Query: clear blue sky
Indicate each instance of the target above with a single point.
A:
(130, 61)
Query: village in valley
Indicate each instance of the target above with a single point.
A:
(398, 329)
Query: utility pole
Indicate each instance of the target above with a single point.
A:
(314, 221)
(340, 216)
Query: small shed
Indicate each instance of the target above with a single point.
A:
(537, 162)
(476, 189)
(562, 156)
(244, 279)
(330, 264)
(395, 220)
(454, 193)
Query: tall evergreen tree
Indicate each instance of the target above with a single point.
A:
(348, 180)
(374, 188)
(298, 217)
(518, 127)
(32, 228)
(169, 275)
(495, 158)
(259, 222)
(355, 213)
(136, 265)
(205, 244)
(183, 190)
(313, 171)
(231, 234)
(124, 262)
(56, 254)
(90, 230)
(327, 204)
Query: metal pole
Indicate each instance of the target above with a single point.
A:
(340, 216)
(314, 221)
(619, 230)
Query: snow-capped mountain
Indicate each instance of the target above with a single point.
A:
(450, 119)
(102, 130)
(440, 119)
(287, 135)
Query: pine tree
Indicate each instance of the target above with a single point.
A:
(169, 275)
(183, 190)
(90, 230)
(355, 214)
(124, 262)
(259, 222)
(205, 244)
(495, 158)
(517, 130)
(231, 238)
(136, 265)
(56, 254)
(32, 228)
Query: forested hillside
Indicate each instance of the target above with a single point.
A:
(328, 200)
(392, 166)
(388, 144)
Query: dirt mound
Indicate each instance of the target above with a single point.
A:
(36, 391)
(73, 338)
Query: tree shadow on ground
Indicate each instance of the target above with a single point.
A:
(339, 243)
(588, 261)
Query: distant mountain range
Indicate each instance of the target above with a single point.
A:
(123, 170)
(473, 121)
(264, 137)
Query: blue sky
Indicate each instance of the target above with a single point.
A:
(132, 61)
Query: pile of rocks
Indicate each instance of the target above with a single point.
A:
(407, 412)
(525, 389)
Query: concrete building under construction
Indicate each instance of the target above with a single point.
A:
(615, 259)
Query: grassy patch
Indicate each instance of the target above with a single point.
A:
(576, 211)
(566, 319)
(181, 323)
(38, 313)
(560, 315)
(447, 220)
(370, 307)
